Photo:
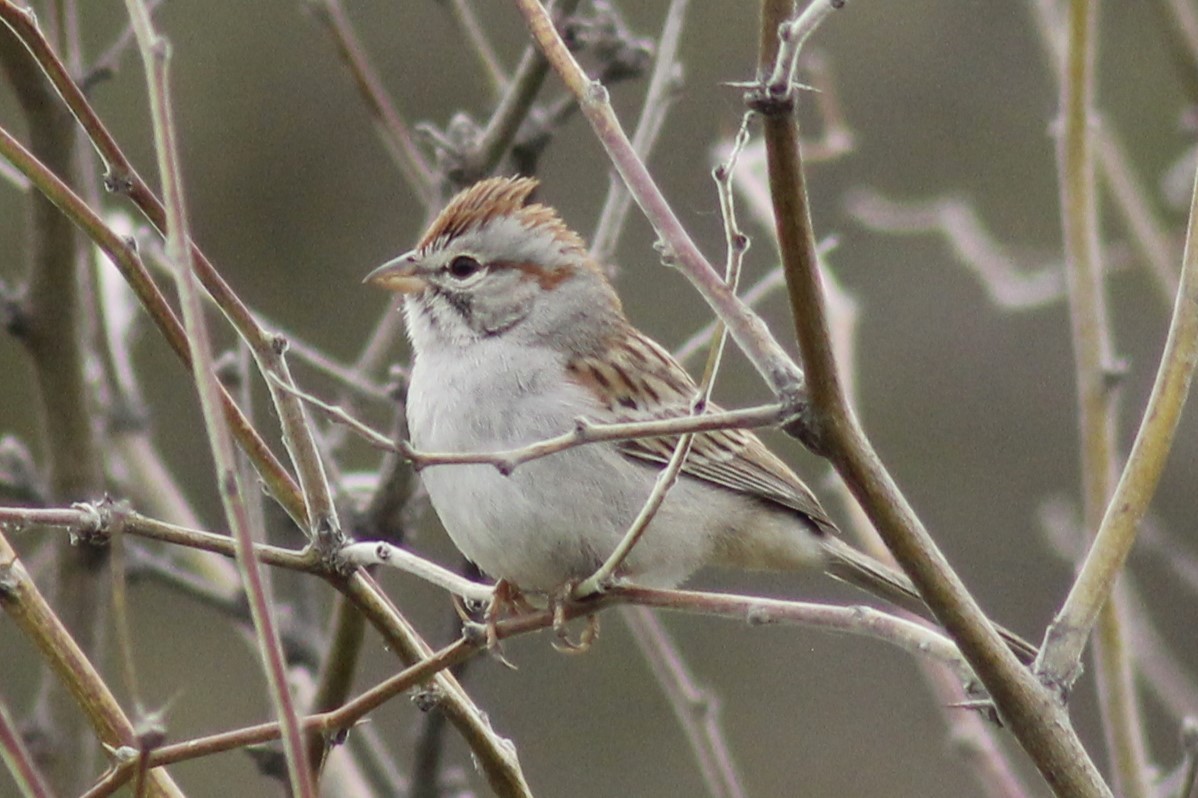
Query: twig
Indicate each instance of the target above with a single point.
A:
(835, 135)
(970, 734)
(378, 553)
(52, 331)
(792, 35)
(585, 432)
(351, 377)
(666, 479)
(388, 123)
(336, 676)
(90, 520)
(736, 244)
(696, 708)
(908, 635)
(1007, 284)
(14, 177)
(1130, 198)
(24, 770)
(317, 516)
(972, 737)
(499, 761)
(497, 757)
(1189, 745)
(753, 296)
(467, 22)
(663, 84)
(108, 64)
(512, 110)
(1135, 206)
(326, 723)
(125, 257)
(1159, 668)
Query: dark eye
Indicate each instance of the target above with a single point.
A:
(463, 266)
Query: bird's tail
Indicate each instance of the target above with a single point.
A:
(862, 571)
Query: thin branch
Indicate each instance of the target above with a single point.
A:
(736, 245)
(666, 479)
(337, 671)
(350, 377)
(472, 29)
(696, 708)
(155, 53)
(1189, 744)
(585, 432)
(1058, 664)
(379, 553)
(1008, 284)
(1158, 667)
(753, 296)
(1141, 474)
(969, 733)
(52, 329)
(511, 112)
(327, 724)
(94, 522)
(388, 123)
(24, 770)
(792, 35)
(663, 85)
(125, 257)
(108, 64)
(1131, 200)
(498, 759)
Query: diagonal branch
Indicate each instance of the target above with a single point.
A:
(1040, 724)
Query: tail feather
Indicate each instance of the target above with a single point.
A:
(862, 571)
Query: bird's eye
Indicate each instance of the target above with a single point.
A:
(463, 266)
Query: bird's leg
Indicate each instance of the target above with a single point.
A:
(557, 604)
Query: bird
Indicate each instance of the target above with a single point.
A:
(516, 333)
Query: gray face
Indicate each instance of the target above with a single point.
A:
(503, 278)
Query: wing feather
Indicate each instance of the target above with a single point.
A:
(653, 385)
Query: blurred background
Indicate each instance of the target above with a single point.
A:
(971, 405)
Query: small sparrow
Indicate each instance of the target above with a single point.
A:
(516, 333)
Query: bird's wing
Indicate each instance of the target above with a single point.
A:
(635, 379)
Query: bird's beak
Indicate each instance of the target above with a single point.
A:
(398, 275)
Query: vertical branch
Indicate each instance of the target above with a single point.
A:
(51, 327)
(1093, 361)
(971, 735)
(1040, 724)
(666, 76)
(336, 676)
(1141, 474)
(156, 55)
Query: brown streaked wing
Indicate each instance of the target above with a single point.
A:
(636, 379)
